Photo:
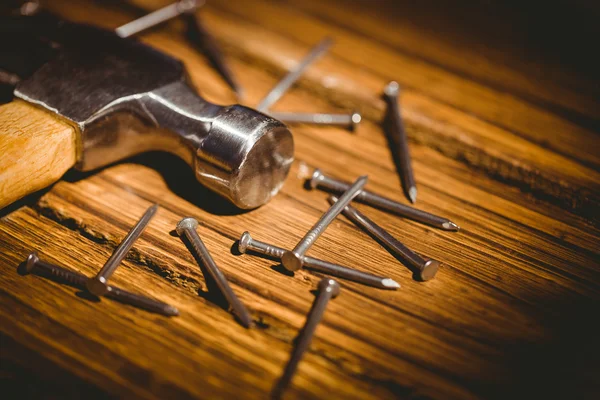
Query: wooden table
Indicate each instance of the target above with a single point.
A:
(504, 139)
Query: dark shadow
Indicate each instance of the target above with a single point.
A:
(174, 233)
(214, 297)
(261, 324)
(234, 249)
(181, 180)
(22, 269)
(178, 176)
(282, 270)
(28, 200)
(83, 294)
(306, 185)
(6, 92)
(564, 364)
(74, 176)
(393, 143)
(30, 374)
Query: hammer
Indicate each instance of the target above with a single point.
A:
(104, 98)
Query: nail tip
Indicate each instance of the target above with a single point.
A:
(451, 226)
(390, 283)
(150, 211)
(244, 319)
(171, 311)
(412, 194)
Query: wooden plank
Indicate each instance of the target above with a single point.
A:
(445, 87)
(466, 122)
(475, 51)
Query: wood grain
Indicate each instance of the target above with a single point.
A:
(511, 312)
(37, 149)
(533, 148)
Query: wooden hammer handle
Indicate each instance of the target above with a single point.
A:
(36, 149)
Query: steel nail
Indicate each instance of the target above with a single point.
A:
(187, 227)
(98, 284)
(336, 186)
(293, 260)
(30, 8)
(246, 243)
(350, 121)
(328, 289)
(34, 264)
(424, 269)
(275, 94)
(398, 141)
(158, 17)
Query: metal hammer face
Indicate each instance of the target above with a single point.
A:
(125, 98)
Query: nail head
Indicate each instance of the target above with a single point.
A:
(392, 89)
(316, 177)
(186, 223)
(291, 261)
(330, 285)
(97, 286)
(355, 118)
(32, 259)
(245, 240)
(429, 270)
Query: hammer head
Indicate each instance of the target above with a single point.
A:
(125, 98)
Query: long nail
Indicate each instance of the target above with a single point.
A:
(283, 85)
(336, 186)
(98, 284)
(248, 243)
(201, 37)
(293, 260)
(187, 227)
(350, 121)
(424, 269)
(398, 141)
(35, 265)
(158, 17)
(328, 289)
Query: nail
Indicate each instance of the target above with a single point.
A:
(328, 289)
(98, 284)
(398, 141)
(424, 269)
(158, 17)
(35, 265)
(283, 85)
(8, 78)
(30, 8)
(202, 39)
(248, 243)
(336, 186)
(187, 227)
(350, 121)
(293, 260)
